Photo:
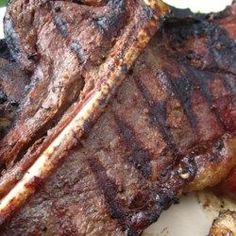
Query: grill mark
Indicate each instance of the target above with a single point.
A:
(162, 195)
(140, 157)
(90, 3)
(110, 190)
(182, 88)
(230, 84)
(61, 25)
(222, 48)
(201, 81)
(111, 22)
(77, 48)
(158, 116)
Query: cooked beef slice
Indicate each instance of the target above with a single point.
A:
(64, 44)
(170, 128)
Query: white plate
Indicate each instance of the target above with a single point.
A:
(189, 217)
(193, 216)
(203, 6)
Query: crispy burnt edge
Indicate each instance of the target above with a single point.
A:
(228, 185)
(58, 145)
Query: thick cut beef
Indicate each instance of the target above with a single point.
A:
(100, 52)
(64, 44)
(169, 129)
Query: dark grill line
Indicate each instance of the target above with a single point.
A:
(140, 157)
(61, 25)
(206, 93)
(110, 190)
(75, 45)
(157, 114)
(110, 23)
(182, 88)
(222, 48)
(230, 84)
(77, 48)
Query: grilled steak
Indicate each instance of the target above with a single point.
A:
(61, 69)
(169, 129)
(124, 26)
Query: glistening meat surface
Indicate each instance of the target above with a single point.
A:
(170, 128)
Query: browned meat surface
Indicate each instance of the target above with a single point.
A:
(225, 224)
(228, 186)
(13, 88)
(99, 52)
(170, 128)
(64, 44)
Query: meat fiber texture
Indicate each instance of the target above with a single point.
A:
(45, 38)
(169, 129)
(13, 88)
